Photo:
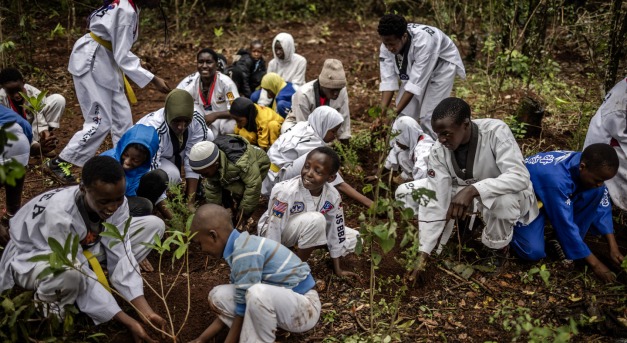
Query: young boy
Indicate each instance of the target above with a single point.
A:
(329, 89)
(248, 71)
(424, 60)
(307, 211)
(43, 123)
(135, 151)
(474, 163)
(570, 186)
(81, 210)
(608, 126)
(232, 173)
(180, 125)
(270, 287)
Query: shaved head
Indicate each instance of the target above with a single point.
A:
(212, 226)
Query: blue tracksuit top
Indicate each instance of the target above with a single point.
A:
(141, 134)
(555, 179)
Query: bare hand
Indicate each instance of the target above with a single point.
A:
(160, 84)
(48, 141)
(346, 273)
(616, 256)
(461, 202)
(139, 334)
(603, 273)
(146, 266)
(421, 266)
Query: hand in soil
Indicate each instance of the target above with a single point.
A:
(157, 321)
(139, 334)
(603, 273)
(616, 256)
(146, 266)
(346, 273)
(419, 271)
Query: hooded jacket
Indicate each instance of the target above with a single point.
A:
(294, 66)
(140, 134)
(242, 169)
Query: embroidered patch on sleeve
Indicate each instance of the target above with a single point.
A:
(328, 206)
(279, 208)
(230, 96)
(298, 207)
(431, 173)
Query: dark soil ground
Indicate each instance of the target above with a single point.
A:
(445, 306)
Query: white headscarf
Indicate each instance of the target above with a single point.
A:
(406, 131)
(304, 136)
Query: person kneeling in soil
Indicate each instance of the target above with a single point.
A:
(44, 122)
(474, 163)
(144, 188)
(306, 211)
(232, 173)
(270, 287)
(82, 210)
(571, 187)
(409, 150)
(259, 125)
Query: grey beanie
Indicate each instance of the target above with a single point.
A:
(332, 75)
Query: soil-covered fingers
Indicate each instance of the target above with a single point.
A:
(146, 266)
(604, 273)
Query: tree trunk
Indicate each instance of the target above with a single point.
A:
(616, 43)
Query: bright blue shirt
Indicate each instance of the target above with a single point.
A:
(9, 116)
(555, 179)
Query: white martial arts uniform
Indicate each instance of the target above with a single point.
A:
(165, 157)
(495, 167)
(222, 96)
(295, 217)
(300, 140)
(307, 98)
(50, 115)
(427, 70)
(412, 162)
(55, 214)
(98, 79)
(609, 126)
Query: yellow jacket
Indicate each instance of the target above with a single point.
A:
(268, 128)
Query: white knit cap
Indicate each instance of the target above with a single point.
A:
(203, 155)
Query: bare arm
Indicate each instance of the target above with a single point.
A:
(405, 99)
(354, 194)
(236, 329)
(211, 331)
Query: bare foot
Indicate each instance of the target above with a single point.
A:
(146, 266)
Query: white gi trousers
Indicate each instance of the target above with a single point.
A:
(52, 111)
(267, 307)
(306, 230)
(63, 289)
(439, 87)
(104, 111)
(499, 220)
(19, 149)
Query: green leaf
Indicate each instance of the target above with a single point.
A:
(46, 272)
(8, 305)
(376, 258)
(387, 244)
(75, 247)
(40, 258)
(367, 188)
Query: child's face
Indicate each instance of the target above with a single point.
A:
(209, 242)
(450, 134)
(394, 44)
(331, 134)
(13, 89)
(209, 171)
(594, 177)
(241, 122)
(331, 93)
(278, 50)
(133, 158)
(104, 198)
(316, 172)
(271, 94)
(179, 125)
(256, 51)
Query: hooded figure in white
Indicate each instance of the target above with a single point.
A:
(300, 140)
(293, 66)
(410, 148)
